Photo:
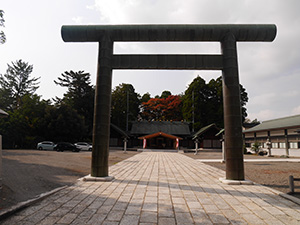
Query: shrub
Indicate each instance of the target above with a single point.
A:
(256, 147)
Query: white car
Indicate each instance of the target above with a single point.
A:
(84, 146)
(45, 145)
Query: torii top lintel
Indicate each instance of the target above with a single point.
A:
(241, 32)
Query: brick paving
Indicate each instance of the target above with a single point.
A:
(161, 188)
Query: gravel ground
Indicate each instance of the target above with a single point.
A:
(29, 173)
(271, 174)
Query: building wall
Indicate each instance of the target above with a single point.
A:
(284, 141)
(212, 143)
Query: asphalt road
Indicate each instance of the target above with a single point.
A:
(29, 173)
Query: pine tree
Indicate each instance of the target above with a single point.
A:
(15, 84)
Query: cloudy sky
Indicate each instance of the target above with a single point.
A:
(269, 71)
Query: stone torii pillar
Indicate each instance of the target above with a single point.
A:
(227, 35)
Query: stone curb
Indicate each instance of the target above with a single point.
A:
(281, 194)
(91, 178)
(13, 209)
(236, 182)
(290, 197)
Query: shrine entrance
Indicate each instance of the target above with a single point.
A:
(227, 35)
(160, 140)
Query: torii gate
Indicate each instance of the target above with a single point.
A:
(227, 35)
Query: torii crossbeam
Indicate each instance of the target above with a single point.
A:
(227, 61)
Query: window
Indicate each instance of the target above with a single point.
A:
(282, 145)
(293, 145)
(274, 145)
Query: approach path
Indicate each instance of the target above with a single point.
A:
(161, 188)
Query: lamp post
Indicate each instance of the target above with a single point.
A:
(125, 145)
(196, 144)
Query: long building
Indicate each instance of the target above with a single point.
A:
(283, 133)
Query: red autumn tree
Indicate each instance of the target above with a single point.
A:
(173, 110)
(163, 108)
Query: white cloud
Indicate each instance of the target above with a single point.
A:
(78, 19)
(263, 115)
(268, 71)
(291, 93)
(265, 99)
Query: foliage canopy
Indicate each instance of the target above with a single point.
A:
(2, 34)
(125, 104)
(16, 83)
(168, 108)
(204, 102)
(70, 118)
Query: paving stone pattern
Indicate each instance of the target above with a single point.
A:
(161, 188)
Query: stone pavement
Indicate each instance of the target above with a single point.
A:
(161, 188)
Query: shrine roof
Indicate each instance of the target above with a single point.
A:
(285, 122)
(168, 127)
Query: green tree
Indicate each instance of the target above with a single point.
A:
(215, 102)
(25, 126)
(207, 103)
(125, 104)
(244, 100)
(6, 99)
(146, 97)
(165, 94)
(63, 123)
(2, 34)
(37, 120)
(195, 102)
(80, 95)
(15, 84)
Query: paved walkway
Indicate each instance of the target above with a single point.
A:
(161, 188)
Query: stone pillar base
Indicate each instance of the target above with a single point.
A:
(236, 182)
(100, 179)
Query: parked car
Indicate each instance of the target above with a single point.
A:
(45, 145)
(84, 146)
(61, 146)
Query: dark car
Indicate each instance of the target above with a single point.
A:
(61, 146)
